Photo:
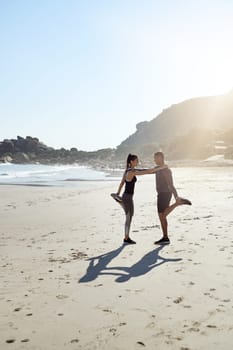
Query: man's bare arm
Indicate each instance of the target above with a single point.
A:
(168, 177)
(138, 172)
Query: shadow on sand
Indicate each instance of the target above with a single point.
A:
(98, 265)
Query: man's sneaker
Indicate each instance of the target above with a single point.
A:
(185, 201)
(116, 197)
(163, 241)
(129, 241)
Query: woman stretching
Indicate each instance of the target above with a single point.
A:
(126, 201)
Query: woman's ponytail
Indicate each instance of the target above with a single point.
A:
(129, 159)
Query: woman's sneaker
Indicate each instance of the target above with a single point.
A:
(129, 241)
(163, 241)
(116, 197)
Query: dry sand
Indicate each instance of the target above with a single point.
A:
(68, 283)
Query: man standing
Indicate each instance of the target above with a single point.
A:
(165, 190)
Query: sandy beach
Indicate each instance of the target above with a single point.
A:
(67, 282)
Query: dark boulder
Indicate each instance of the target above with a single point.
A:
(6, 146)
(20, 158)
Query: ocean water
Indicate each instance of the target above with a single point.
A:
(53, 175)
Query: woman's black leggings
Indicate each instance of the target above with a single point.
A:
(129, 211)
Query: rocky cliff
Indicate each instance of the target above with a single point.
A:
(31, 150)
(187, 129)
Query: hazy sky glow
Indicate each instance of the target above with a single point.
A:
(83, 73)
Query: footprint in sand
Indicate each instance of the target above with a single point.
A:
(151, 325)
(113, 331)
(194, 329)
(74, 341)
(211, 326)
(107, 310)
(141, 343)
(62, 296)
(139, 290)
(145, 228)
(178, 300)
(10, 341)
(78, 255)
(17, 309)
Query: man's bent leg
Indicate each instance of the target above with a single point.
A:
(168, 210)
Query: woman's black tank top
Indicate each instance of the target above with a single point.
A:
(129, 185)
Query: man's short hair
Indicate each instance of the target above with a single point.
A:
(159, 154)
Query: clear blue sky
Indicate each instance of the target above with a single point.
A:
(83, 73)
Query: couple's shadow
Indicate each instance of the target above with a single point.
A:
(98, 265)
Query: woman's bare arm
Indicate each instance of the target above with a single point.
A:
(139, 172)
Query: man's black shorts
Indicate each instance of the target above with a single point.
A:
(163, 201)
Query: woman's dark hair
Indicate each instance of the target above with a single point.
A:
(130, 158)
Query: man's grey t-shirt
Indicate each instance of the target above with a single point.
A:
(162, 177)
